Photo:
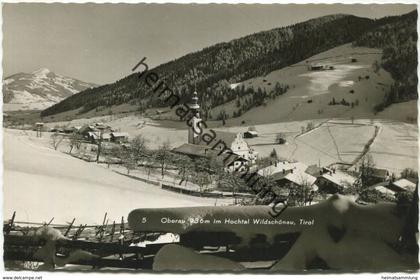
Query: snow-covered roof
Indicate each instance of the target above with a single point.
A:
(405, 184)
(252, 132)
(301, 178)
(93, 134)
(106, 136)
(280, 166)
(379, 173)
(339, 178)
(384, 190)
(120, 134)
(225, 136)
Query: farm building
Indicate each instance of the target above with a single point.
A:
(391, 188)
(250, 134)
(231, 162)
(57, 129)
(70, 130)
(334, 181)
(402, 185)
(320, 67)
(95, 136)
(378, 175)
(92, 136)
(106, 137)
(119, 137)
(289, 174)
(292, 179)
(85, 129)
(314, 170)
(282, 167)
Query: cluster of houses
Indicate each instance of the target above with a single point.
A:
(285, 175)
(95, 133)
(288, 175)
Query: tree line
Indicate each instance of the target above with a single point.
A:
(397, 37)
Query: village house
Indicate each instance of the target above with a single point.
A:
(314, 170)
(92, 136)
(282, 167)
(383, 189)
(378, 175)
(231, 162)
(119, 137)
(250, 134)
(236, 143)
(85, 129)
(70, 130)
(101, 132)
(334, 181)
(393, 187)
(401, 185)
(320, 67)
(288, 175)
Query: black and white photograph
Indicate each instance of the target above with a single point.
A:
(239, 138)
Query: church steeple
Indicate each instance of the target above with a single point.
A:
(193, 136)
(194, 102)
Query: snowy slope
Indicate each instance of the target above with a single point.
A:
(54, 183)
(38, 90)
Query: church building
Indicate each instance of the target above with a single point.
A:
(233, 146)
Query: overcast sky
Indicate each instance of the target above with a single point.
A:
(100, 43)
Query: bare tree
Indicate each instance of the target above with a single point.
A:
(366, 170)
(151, 160)
(273, 155)
(232, 182)
(127, 158)
(98, 154)
(409, 173)
(185, 166)
(138, 147)
(56, 140)
(310, 126)
(280, 138)
(75, 141)
(112, 154)
(163, 156)
(202, 179)
(301, 192)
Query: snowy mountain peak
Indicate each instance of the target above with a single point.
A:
(38, 90)
(41, 72)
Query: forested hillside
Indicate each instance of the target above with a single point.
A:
(398, 39)
(215, 68)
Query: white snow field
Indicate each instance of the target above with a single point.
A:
(40, 183)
